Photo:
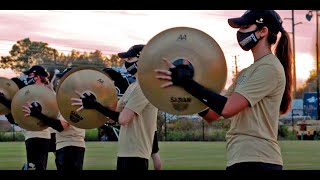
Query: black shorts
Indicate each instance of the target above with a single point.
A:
(52, 147)
(37, 152)
(70, 158)
(254, 166)
(155, 146)
(132, 164)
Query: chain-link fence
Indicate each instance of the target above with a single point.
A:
(9, 132)
(190, 128)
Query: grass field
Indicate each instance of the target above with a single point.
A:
(297, 155)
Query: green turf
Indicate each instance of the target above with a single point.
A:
(297, 155)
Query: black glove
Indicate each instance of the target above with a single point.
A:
(204, 112)
(89, 102)
(5, 101)
(2, 97)
(181, 75)
(35, 111)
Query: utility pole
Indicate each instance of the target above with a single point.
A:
(294, 56)
(293, 52)
(236, 64)
(317, 50)
(235, 73)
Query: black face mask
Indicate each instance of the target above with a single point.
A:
(131, 67)
(31, 81)
(247, 40)
(27, 80)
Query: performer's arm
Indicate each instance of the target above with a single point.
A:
(35, 111)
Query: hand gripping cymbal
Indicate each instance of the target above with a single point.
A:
(200, 49)
(84, 80)
(34, 93)
(9, 88)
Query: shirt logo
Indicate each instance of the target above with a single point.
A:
(241, 80)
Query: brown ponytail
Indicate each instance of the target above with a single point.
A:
(284, 53)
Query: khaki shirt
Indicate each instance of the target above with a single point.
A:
(135, 139)
(37, 134)
(253, 132)
(71, 136)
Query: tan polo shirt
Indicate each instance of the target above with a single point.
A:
(135, 139)
(253, 132)
(37, 134)
(71, 136)
(52, 130)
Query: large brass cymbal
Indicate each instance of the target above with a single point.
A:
(9, 88)
(34, 93)
(72, 71)
(86, 80)
(200, 49)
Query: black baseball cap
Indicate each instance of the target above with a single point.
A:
(268, 18)
(61, 74)
(37, 70)
(134, 51)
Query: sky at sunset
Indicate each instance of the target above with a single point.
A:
(113, 31)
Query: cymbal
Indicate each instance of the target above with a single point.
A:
(9, 88)
(83, 80)
(34, 93)
(200, 49)
(72, 71)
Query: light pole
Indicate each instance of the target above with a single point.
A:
(308, 17)
(294, 52)
(236, 64)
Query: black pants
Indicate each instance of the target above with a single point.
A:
(132, 164)
(70, 158)
(52, 147)
(37, 152)
(155, 146)
(254, 166)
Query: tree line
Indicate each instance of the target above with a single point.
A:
(26, 53)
